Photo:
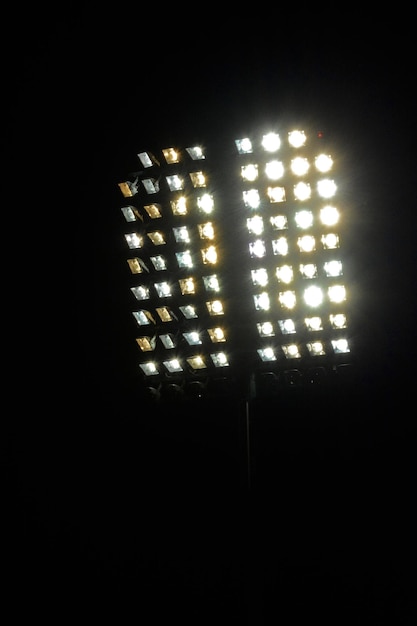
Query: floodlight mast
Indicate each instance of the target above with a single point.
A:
(238, 278)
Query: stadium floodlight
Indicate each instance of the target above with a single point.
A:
(253, 264)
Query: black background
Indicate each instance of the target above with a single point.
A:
(116, 508)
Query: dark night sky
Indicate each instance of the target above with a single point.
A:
(111, 503)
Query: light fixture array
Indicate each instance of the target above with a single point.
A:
(236, 276)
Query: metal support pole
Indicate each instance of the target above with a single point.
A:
(248, 445)
(250, 394)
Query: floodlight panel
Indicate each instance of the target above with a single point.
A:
(244, 146)
(300, 166)
(341, 345)
(260, 276)
(274, 170)
(165, 314)
(276, 194)
(323, 162)
(330, 241)
(314, 323)
(147, 159)
(287, 326)
(151, 185)
(249, 172)
(141, 292)
(316, 348)
(134, 240)
(192, 338)
(130, 213)
(308, 270)
(297, 138)
(163, 289)
(219, 359)
(285, 273)
(251, 198)
(149, 368)
(143, 317)
(159, 262)
(271, 141)
(312, 258)
(196, 362)
(304, 218)
(196, 153)
(266, 329)
(279, 222)
(153, 210)
(198, 179)
(211, 283)
(291, 351)
(267, 354)
(217, 335)
(189, 311)
(187, 285)
(173, 365)
(302, 191)
(146, 344)
(137, 266)
(329, 215)
(171, 155)
(205, 203)
(181, 234)
(326, 188)
(179, 205)
(167, 340)
(190, 268)
(128, 188)
(175, 182)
